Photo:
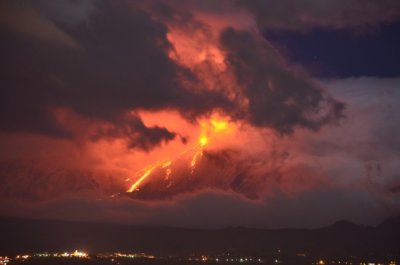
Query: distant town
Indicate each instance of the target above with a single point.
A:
(82, 257)
(41, 242)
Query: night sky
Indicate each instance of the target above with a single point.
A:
(207, 113)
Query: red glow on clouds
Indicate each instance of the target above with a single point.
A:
(183, 104)
(213, 151)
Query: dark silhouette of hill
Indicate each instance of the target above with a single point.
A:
(340, 239)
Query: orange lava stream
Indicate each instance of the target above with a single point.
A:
(145, 175)
(213, 126)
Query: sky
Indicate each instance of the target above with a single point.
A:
(260, 113)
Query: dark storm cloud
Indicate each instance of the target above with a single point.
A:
(278, 97)
(22, 17)
(72, 13)
(307, 14)
(118, 62)
(133, 128)
(101, 59)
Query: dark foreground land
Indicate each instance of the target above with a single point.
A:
(341, 242)
(176, 261)
(94, 261)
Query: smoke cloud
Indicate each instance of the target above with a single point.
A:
(192, 110)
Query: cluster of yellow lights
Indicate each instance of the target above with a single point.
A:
(75, 254)
(207, 128)
(26, 256)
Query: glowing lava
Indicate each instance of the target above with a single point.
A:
(145, 175)
(207, 129)
(203, 140)
(167, 166)
(195, 157)
(219, 125)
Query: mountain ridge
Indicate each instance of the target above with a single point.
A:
(340, 238)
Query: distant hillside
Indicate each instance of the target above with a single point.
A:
(341, 238)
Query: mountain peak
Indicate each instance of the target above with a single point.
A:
(342, 225)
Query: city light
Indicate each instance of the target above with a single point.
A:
(224, 258)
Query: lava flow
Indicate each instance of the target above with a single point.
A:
(207, 131)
